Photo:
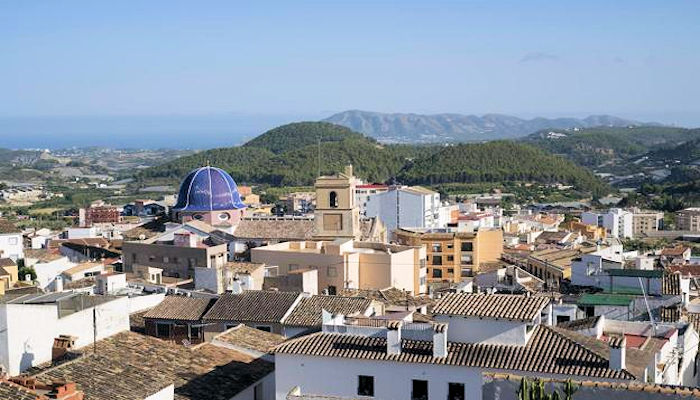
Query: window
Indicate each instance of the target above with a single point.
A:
(466, 259)
(419, 390)
(437, 273)
(258, 392)
(450, 246)
(365, 385)
(333, 200)
(264, 328)
(422, 262)
(437, 260)
(195, 332)
(450, 258)
(332, 290)
(133, 257)
(166, 259)
(198, 217)
(224, 216)
(437, 247)
(332, 271)
(455, 391)
(293, 267)
(12, 241)
(163, 330)
(450, 270)
(467, 246)
(151, 258)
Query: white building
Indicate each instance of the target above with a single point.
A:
(414, 207)
(363, 193)
(617, 222)
(47, 265)
(358, 357)
(30, 323)
(11, 243)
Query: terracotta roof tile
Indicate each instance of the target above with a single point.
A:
(8, 227)
(308, 311)
(250, 338)
(502, 306)
(130, 365)
(180, 308)
(252, 306)
(547, 352)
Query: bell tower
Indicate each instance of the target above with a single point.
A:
(336, 215)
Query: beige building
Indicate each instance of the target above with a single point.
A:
(688, 219)
(452, 256)
(644, 222)
(177, 253)
(349, 264)
(336, 214)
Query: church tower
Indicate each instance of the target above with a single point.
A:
(336, 214)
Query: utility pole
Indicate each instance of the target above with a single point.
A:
(94, 330)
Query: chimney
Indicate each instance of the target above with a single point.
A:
(185, 239)
(393, 337)
(618, 348)
(62, 390)
(58, 283)
(439, 340)
(61, 345)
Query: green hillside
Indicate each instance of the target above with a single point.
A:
(498, 161)
(289, 156)
(594, 146)
(300, 134)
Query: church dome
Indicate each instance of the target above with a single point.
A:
(208, 189)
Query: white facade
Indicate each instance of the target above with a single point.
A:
(363, 193)
(11, 246)
(339, 377)
(617, 222)
(27, 331)
(46, 272)
(405, 207)
(81, 233)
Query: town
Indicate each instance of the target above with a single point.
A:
(360, 290)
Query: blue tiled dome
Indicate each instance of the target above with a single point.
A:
(208, 189)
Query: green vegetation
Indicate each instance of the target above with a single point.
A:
(594, 146)
(289, 156)
(498, 161)
(23, 271)
(535, 390)
(300, 134)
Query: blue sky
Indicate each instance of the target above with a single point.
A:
(637, 59)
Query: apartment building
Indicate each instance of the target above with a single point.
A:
(646, 221)
(178, 250)
(364, 191)
(408, 206)
(452, 255)
(349, 264)
(688, 219)
(617, 222)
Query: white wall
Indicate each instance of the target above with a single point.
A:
(167, 393)
(46, 273)
(28, 331)
(475, 330)
(141, 303)
(11, 246)
(392, 381)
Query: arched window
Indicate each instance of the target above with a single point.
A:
(333, 200)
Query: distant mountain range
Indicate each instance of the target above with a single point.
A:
(417, 128)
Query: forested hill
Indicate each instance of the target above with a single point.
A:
(498, 161)
(594, 146)
(300, 134)
(289, 156)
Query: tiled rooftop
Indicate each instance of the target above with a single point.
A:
(180, 308)
(129, 365)
(501, 306)
(548, 352)
(275, 229)
(308, 311)
(252, 306)
(249, 338)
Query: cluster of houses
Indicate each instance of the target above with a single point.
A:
(364, 291)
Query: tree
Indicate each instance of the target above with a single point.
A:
(24, 271)
(536, 390)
